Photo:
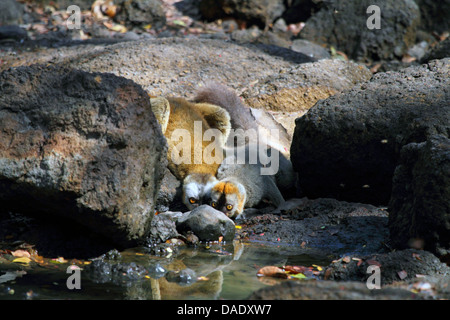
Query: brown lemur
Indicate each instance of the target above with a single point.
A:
(195, 152)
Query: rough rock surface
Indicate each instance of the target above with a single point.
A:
(343, 24)
(78, 145)
(290, 93)
(330, 226)
(347, 146)
(420, 203)
(207, 224)
(254, 12)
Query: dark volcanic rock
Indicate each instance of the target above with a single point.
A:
(141, 13)
(348, 146)
(254, 12)
(343, 24)
(420, 202)
(78, 145)
(394, 266)
(207, 224)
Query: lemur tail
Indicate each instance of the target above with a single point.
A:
(222, 96)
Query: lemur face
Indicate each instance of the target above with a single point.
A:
(196, 189)
(228, 197)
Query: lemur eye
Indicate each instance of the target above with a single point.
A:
(213, 204)
(229, 207)
(192, 200)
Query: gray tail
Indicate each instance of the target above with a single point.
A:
(222, 96)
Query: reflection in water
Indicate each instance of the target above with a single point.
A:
(208, 271)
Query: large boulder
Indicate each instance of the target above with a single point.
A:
(348, 146)
(343, 24)
(289, 93)
(253, 12)
(82, 146)
(420, 203)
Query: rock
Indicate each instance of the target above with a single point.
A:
(435, 15)
(172, 66)
(343, 24)
(207, 224)
(11, 12)
(329, 226)
(440, 51)
(329, 290)
(409, 262)
(310, 49)
(169, 194)
(348, 145)
(82, 146)
(300, 10)
(163, 227)
(12, 32)
(289, 93)
(420, 203)
(253, 12)
(140, 13)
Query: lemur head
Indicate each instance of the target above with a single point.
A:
(228, 197)
(196, 189)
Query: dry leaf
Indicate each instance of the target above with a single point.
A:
(402, 274)
(272, 271)
(21, 253)
(24, 260)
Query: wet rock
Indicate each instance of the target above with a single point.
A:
(420, 202)
(343, 24)
(331, 226)
(163, 227)
(140, 13)
(207, 224)
(348, 146)
(183, 277)
(394, 266)
(329, 290)
(253, 12)
(81, 146)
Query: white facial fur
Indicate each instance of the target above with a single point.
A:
(196, 188)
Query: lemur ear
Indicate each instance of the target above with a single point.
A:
(161, 109)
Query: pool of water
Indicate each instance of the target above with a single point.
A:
(208, 271)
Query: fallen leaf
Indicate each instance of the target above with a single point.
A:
(402, 274)
(296, 269)
(272, 271)
(21, 253)
(59, 260)
(299, 276)
(24, 260)
(374, 262)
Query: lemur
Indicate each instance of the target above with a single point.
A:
(243, 185)
(178, 113)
